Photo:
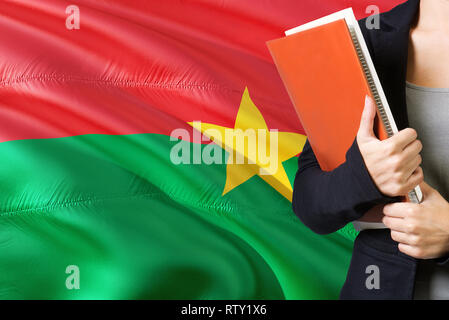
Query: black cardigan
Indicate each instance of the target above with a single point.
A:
(326, 201)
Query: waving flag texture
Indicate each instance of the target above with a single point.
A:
(88, 173)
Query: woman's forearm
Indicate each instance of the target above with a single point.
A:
(326, 201)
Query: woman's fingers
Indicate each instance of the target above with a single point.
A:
(415, 179)
(402, 237)
(396, 224)
(403, 138)
(412, 150)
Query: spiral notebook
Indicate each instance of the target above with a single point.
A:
(327, 70)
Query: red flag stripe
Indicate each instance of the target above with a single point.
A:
(143, 66)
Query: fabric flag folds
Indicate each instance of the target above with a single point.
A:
(107, 169)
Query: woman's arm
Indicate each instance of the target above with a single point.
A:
(327, 201)
(375, 172)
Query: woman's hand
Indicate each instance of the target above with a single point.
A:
(422, 230)
(394, 163)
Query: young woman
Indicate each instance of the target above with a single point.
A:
(410, 51)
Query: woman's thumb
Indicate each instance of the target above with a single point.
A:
(367, 121)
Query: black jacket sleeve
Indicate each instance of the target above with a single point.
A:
(325, 201)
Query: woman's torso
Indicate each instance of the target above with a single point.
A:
(428, 114)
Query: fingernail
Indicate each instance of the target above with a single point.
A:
(366, 99)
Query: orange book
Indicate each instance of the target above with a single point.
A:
(327, 71)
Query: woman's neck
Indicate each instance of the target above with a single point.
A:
(428, 63)
(433, 16)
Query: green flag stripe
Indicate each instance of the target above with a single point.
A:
(139, 226)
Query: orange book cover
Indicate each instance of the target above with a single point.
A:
(325, 80)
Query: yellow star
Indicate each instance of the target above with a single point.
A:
(257, 152)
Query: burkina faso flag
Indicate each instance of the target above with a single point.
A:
(106, 175)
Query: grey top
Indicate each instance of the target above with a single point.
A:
(428, 114)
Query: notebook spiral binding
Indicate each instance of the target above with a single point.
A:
(413, 197)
